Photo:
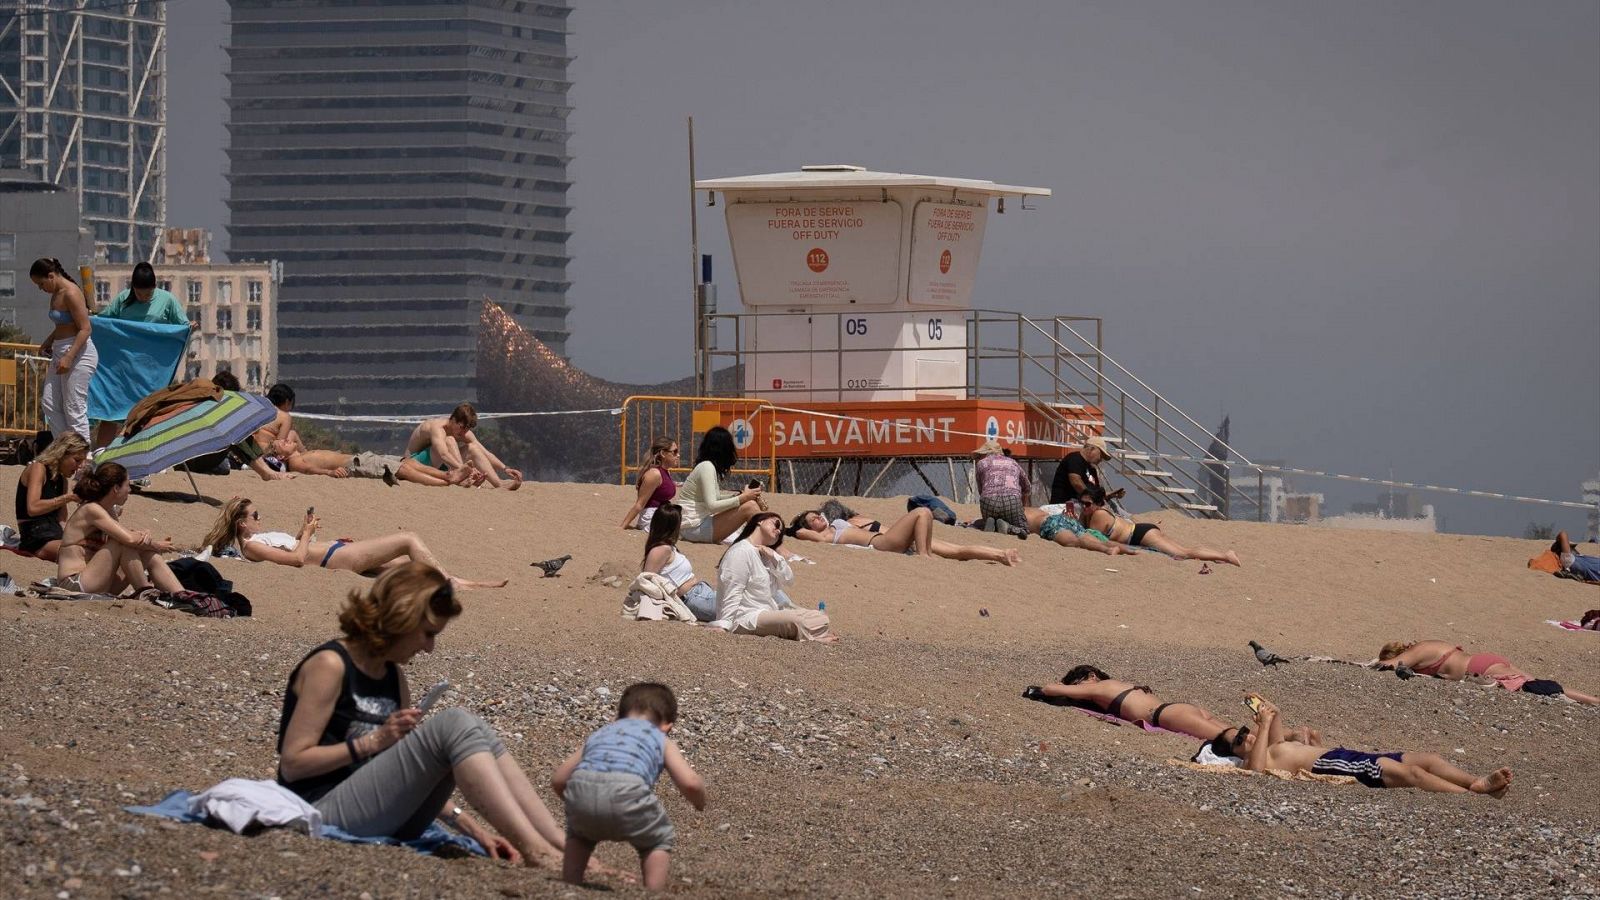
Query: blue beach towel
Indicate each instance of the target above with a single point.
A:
(136, 359)
(176, 806)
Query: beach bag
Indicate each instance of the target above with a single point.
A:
(941, 512)
(653, 597)
(202, 577)
(206, 606)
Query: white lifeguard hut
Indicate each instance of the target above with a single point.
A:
(859, 281)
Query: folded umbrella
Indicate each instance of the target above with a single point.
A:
(205, 427)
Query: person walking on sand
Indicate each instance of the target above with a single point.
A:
(1141, 534)
(608, 785)
(449, 445)
(1265, 747)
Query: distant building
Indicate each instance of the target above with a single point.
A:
(405, 160)
(1305, 508)
(83, 105)
(234, 308)
(1425, 523)
(1263, 492)
(37, 219)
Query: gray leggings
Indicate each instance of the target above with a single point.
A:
(399, 792)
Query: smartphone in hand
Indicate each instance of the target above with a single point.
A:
(1253, 701)
(433, 695)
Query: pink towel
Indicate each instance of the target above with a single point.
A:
(1568, 626)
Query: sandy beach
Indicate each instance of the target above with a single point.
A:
(900, 762)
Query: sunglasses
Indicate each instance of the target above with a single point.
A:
(255, 514)
(1238, 738)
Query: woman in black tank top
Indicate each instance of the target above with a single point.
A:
(42, 495)
(351, 742)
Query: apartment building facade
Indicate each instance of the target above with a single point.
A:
(405, 160)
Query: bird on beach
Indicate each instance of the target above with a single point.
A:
(552, 567)
(1266, 657)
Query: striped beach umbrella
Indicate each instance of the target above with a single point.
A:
(206, 427)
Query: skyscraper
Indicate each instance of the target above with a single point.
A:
(405, 160)
(83, 106)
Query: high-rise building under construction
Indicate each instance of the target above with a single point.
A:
(405, 160)
(83, 107)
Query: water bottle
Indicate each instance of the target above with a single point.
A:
(822, 606)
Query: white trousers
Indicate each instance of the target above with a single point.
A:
(65, 402)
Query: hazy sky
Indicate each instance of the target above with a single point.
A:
(1369, 231)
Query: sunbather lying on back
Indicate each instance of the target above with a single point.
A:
(239, 526)
(912, 531)
(1585, 567)
(1266, 747)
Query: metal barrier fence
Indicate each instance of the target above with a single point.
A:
(684, 419)
(22, 375)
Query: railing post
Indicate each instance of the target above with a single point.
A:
(1019, 357)
(1261, 502)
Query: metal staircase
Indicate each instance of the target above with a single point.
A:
(1057, 367)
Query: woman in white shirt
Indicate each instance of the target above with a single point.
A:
(750, 580)
(710, 513)
(239, 526)
(662, 557)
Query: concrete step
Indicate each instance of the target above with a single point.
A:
(1152, 473)
(1198, 507)
(1173, 490)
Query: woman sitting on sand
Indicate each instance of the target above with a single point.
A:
(99, 556)
(710, 513)
(239, 527)
(1442, 659)
(42, 495)
(351, 743)
(1089, 688)
(912, 531)
(654, 483)
(750, 581)
(1141, 534)
(661, 556)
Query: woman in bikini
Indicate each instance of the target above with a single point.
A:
(1089, 688)
(1442, 659)
(73, 358)
(1141, 534)
(914, 530)
(239, 527)
(97, 554)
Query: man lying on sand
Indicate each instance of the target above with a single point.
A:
(1265, 747)
(449, 446)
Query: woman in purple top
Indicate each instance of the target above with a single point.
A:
(1002, 485)
(654, 482)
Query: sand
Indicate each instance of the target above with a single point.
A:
(900, 762)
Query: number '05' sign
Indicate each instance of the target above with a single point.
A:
(855, 326)
(935, 329)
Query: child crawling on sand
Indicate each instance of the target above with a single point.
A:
(1266, 748)
(609, 785)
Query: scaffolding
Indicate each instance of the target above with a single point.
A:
(83, 105)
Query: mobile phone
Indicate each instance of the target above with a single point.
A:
(755, 483)
(433, 694)
(310, 510)
(1254, 702)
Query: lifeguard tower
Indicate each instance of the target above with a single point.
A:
(860, 332)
